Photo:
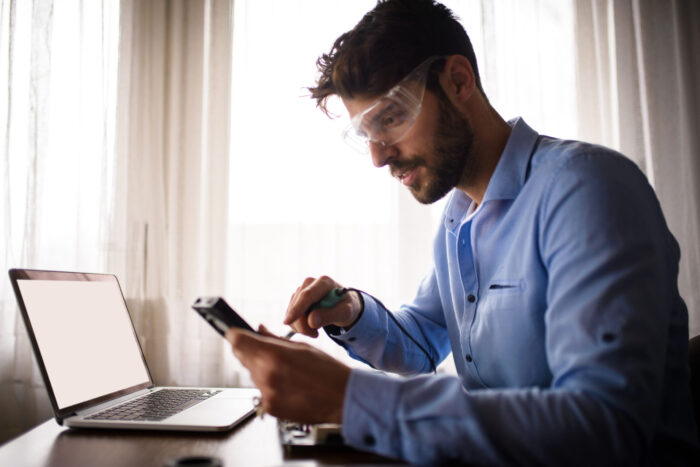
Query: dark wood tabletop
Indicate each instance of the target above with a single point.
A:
(254, 443)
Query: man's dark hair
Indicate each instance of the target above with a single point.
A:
(388, 42)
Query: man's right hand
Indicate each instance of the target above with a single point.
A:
(343, 314)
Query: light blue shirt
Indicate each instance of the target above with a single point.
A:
(558, 299)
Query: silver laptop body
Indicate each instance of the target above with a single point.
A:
(92, 363)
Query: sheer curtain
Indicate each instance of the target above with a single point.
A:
(169, 228)
(58, 81)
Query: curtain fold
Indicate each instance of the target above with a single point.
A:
(638, 70)
(172, 153)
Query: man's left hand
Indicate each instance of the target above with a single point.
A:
(298, 382)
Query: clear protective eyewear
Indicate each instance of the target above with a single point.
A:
(388, 120)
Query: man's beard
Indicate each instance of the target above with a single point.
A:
(452, 150)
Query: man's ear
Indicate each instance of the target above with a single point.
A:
(457, 79)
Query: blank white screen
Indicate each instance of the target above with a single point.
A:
(85, 337)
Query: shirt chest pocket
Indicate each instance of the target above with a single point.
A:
(506, 337)
(505, 286)
(503, 302)
(503, 294)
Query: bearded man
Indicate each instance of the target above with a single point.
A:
(554, 280)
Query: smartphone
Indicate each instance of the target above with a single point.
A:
(220, 315)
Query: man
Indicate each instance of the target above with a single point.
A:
(553, 284)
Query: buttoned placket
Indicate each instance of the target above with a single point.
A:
(471, 286)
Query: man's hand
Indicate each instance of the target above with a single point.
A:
(344, 314)
(298, 382)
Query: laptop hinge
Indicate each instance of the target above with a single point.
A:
(59, 420)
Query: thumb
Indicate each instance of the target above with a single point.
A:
(266, 332)
(340, 315)
(344, 313)
(242, 342)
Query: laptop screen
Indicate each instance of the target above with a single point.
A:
(85, 337)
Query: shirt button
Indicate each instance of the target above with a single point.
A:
(608, 337)
(468, 358)
(368, 440)
(471, 298)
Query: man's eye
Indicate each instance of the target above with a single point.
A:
(393, 118)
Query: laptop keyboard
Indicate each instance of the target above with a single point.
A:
(155, 406)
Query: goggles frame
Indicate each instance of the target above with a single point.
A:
(376, 124)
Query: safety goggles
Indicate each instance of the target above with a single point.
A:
(390, 118)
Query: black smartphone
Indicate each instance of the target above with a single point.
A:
(220, 315)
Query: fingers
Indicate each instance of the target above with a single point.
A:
(345, 313)
(311, 291)
(243, 344)
(244, 339)
(261, 355)
(263, 331)
(296, 381)
(248, 343)
(258, 353)
(341, 315)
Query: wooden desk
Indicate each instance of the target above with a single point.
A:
(254, 443)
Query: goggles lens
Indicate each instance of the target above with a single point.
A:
(388, 119)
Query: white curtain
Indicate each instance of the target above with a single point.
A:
(169, 230)
(57, 110)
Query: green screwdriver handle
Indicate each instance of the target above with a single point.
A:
(331, 299)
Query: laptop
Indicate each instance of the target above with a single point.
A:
(93, 366)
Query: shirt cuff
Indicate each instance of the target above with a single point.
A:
(367, 328)
(369, 412)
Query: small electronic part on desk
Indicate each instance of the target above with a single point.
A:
(299, 434)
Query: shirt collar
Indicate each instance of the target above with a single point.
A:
(507, 179)
(511, 171)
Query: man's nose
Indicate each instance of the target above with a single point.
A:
(381, 153)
